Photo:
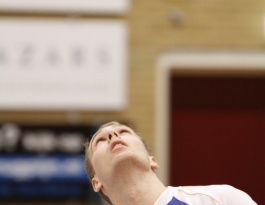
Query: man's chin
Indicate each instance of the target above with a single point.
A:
(123, 157)
(126, 159)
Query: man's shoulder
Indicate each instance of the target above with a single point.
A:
(223, 194)
(206, 188)
(210, 195)
(186, 195)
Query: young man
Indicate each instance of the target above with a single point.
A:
(121, 169)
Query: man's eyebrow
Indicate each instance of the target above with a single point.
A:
(126, 127)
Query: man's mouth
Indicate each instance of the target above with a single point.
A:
(117, 144)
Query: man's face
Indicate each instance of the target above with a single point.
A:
(113, 145)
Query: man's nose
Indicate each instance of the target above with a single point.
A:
(112, 134)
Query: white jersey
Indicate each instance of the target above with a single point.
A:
(204, 195)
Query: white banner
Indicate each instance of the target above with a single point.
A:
(68, 6)
(58, 64)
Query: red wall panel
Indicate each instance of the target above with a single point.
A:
(218, 133)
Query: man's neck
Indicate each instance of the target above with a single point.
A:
(135, 188)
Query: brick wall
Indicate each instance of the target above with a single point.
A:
(156, 27)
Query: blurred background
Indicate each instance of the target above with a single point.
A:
(188, 75)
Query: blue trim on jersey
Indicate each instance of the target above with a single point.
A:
(175, 201)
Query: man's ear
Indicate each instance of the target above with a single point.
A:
(96, 184)
(153, 163)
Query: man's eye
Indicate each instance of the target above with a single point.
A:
(100, 140)
(123, 131)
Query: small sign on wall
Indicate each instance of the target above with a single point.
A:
(69, 6)
(61, 65)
